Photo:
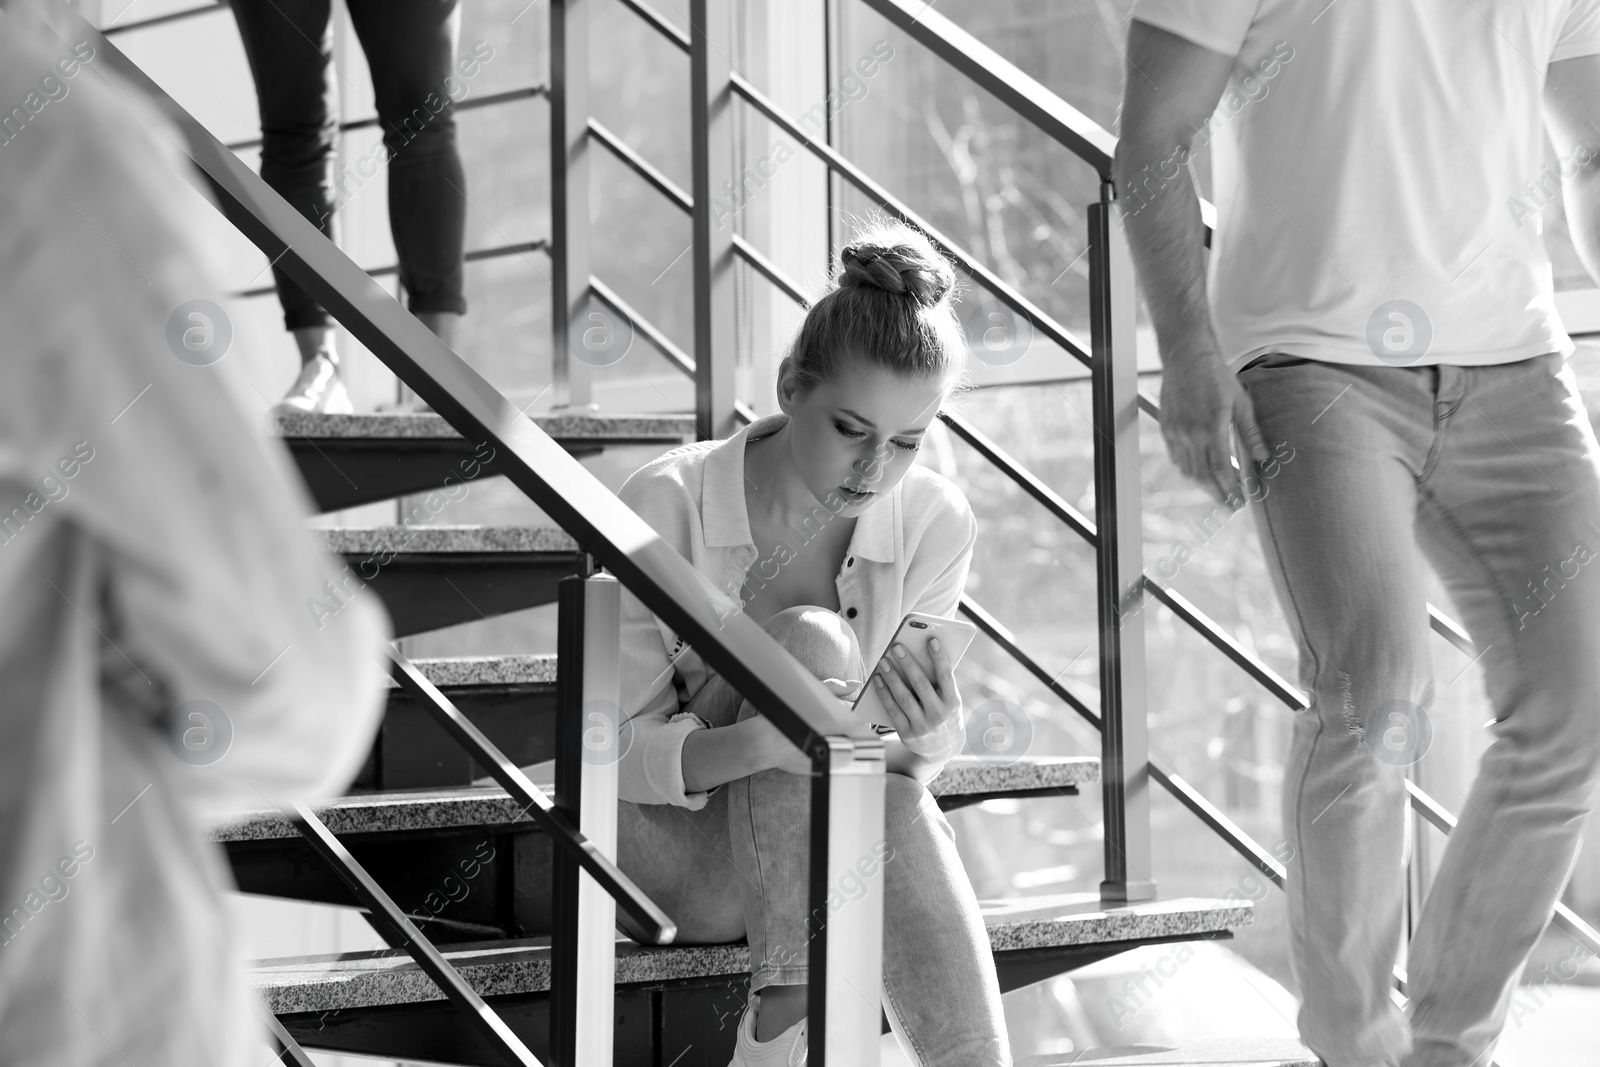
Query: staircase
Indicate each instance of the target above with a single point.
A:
(414, 811)
(530, 967)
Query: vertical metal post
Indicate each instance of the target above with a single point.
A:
(718, 197)
(588, 745)
(832, 64)
(846, 946)
(1124, 744)
(569, 199)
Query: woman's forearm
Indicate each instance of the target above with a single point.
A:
(722, 754)
(898, 759)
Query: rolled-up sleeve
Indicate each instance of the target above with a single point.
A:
(651, 768)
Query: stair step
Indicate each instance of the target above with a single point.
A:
(348, 460)
(430, 577)
(460, 672)
(477, 807)
(512, 699)
(353, 980)
(1214, 1052)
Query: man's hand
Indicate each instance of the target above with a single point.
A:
(1173, 87)
(1200, 400)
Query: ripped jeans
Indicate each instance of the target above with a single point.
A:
(739, 867)
(1492, 471)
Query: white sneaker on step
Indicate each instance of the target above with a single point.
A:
(788, 1049)
(318, 389)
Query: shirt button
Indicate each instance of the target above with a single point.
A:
(851, 562)
(851, 613)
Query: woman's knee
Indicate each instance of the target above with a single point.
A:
(822, 641)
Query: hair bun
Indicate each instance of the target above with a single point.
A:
(898, 261)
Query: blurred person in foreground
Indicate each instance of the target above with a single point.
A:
(158, 660)
(1380, 302)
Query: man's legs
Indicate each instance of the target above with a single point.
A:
(1510, 516)
(1335, 518)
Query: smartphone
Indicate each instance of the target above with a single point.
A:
(954, 635)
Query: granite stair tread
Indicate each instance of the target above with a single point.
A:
(443, 809)
(420, 538)
(370, 979)
(534, 669)
(1211, 1052)
(428, 425)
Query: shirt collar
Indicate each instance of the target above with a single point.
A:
(726, 520)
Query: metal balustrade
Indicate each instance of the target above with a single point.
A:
(841, 1030)
(847, 803)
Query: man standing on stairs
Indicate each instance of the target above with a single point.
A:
(157, 659)
(1378, 297)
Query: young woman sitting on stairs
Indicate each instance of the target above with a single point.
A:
(819, 524)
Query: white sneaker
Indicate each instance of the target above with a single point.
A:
(318, 389)
(788, 1049)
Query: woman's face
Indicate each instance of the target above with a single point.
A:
(854, 435)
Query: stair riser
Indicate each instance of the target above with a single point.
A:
(474, 877)
(426, 591)
(347, 472)
(413, 752)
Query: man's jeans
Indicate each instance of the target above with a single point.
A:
(740, 865)
(1492, 471)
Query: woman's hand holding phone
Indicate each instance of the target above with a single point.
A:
(779, 753)
(924, 708)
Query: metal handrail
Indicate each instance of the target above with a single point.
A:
(847, 758)
(157, 20)
(1040, 107)
(737, 648)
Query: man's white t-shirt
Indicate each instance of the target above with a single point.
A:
(1378, 168)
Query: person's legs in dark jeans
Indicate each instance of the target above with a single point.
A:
(288, 44)
(410, 47)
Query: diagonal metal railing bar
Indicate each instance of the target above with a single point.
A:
(517, 248)
(652, 333)
(768, 270)
(399, 931)
(472, 103)
(157, 20)
(1442, 820)
(1003, 637)
(659, 23)
(1008, 294)
(640, 165)
(290, 1050)
(1024, 478)
(651, 925)
(1249, 662)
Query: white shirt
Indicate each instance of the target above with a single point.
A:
(1377, 171)
(908, 552)
(153, 552)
